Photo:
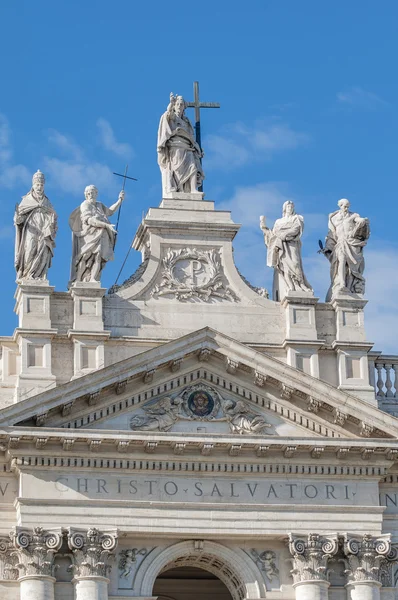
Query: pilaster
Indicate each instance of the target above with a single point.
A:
(352, 348)
(365, 558)
(33, 336)
(88, 334)
(92, 552)
(35, 551)
(310, 560)
(301, 342)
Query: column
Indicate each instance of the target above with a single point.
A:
(366, 559)
(36, 550)
(91, 553)
(310, 559)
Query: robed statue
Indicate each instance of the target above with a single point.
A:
(93, 236)
(347, 236)
(283, 243)
(179, 156)
(36, 226)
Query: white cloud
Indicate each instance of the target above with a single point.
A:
(73, 177)
(237, 144)
(109, 142)
(10, 174)
(65, 144)
(360, 98)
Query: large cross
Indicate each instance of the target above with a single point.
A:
(197, 105)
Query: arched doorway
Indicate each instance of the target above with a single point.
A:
(189, 583)
(232, 567)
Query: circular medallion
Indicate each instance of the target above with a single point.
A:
(200, 403)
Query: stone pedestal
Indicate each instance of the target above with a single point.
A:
(301, 341)
(363, 590)
(33, 337)
(36, 587)
(312, 590)
(88, 334)
(91, 588)
(352, 348)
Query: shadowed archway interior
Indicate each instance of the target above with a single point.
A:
(189, 583)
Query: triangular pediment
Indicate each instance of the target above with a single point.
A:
(241, 380)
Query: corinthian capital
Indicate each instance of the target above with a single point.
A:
(367, 557)
(35, 550)
(311, 556)
(92, 551)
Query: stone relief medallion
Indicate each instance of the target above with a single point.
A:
(201, 402)
(189, 273)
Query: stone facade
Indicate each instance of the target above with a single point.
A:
(185, 420)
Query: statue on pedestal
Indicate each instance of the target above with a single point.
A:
(178, 153)
(93, 236)
(36, 226)
(283, 242)
(347, 236)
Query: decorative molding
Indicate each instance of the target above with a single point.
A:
(41, 443)
(179, 448)
(68, 444)
(367, 556)
(342, 453)
(206, 288)
(94, 445)
(289, 451)
(175, 365)
(204, 354)
(392, 454)
(120, 387)
(339, 417)
(259, 379)
(286, 392)
(206, 449)
(35, 550)
(93, 397)
(128, 562)
(13, 442)
(8, 560)
(317, 451)
(150, 447)
(123, 446)
(313, 405)
(311, 556)
(231, 365)
(366, 429)
(67, 408)
(149, 375)
(92, 552)
(235, 449)
(262, 451)
(41, 419)
(366, 453)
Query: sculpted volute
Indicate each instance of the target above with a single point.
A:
(347, 236)
(283, 242)
(178, 153)
(36, 226)
(93, 236)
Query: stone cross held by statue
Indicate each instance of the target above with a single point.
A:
(197, 105)
(124, 183)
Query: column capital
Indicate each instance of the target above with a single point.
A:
(311, 556)
(367, 557)
(35, 550)
(92, 550)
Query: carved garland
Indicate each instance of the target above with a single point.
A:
(213, 287)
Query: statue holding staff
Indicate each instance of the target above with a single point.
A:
(283, 242)
(35, 223)
(93, 236)
(178, 153)
(347, 236)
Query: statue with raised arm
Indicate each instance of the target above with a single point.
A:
(35, 229)
(178, 153)
(283, 243)
(347, 236)
(93, 236)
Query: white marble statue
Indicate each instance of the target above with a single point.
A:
(178, 153)
(348, 234)
(283, 242)
(93, 236)
(36, 226)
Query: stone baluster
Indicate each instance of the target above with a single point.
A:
(366, 559)
(380, 382)
(394, 368)
(389, 393)
(92, 551)
(310, 559)
(35, 550)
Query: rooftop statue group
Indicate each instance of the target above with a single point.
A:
(179, 157)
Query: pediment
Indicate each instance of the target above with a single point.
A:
(249, 393)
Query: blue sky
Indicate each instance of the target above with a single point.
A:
(308, 94)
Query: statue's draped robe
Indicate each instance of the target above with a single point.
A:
(178, 154)
(36, 226)
(89, 240)
(344, 245)
(284, 251)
